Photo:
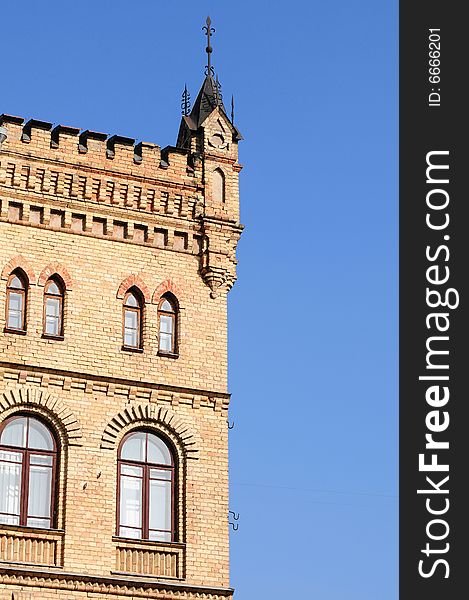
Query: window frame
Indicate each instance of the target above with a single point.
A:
(24, 294)
(26, 470)
(174, 352)
(61, 297)
(135, 292)
(145, 494)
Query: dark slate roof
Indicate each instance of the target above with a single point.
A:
(207, 100)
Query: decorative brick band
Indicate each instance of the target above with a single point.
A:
(20, 262)
(144, 412)
(167, 286)
(131, 281)
(59, 414)
(52, 269)
(114, 587)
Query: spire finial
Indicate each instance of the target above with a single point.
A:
(232, 109)
(185, 102)
(208, 32)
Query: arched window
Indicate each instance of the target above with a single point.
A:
(218, 185)
(146, 488)
(167, 326)
(28, 459)
(17, 290)
(53, 308)
(132, 319)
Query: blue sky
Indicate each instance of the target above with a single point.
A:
(313, 317)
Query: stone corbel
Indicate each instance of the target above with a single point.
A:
(218, 259)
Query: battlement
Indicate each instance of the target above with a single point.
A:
(96, 150)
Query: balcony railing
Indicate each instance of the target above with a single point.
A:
(154, 559)
(31, 546)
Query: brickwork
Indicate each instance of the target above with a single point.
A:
(105, 215)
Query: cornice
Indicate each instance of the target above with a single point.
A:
(118, 585)
(133, 390)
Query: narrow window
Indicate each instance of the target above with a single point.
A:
(53, 308)
(167, 315)
(146, 488)
(132, 320)
(16, 302)
(218, 186)
(28, 458)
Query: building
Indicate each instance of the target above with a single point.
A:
(115, 260)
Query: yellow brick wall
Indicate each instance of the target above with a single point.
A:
(93, 313)
(90, 390)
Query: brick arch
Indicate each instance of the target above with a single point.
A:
(134, 281)
(19, 262)
(159, 416)
(52, 269)
(167, 286)
(43, 403)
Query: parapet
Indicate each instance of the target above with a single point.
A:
(97, 150)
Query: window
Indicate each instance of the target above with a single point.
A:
(146, 488)
(167, 315)
(132, 320)
(28, 458)
(218, 183)
(53, 308)
(17, 288)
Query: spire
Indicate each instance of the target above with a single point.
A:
(209, 96)
(208, 99)
(208, 32)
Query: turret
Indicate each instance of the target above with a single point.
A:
(211, 138)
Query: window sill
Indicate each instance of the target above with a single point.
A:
(16, 331)
(153, 543)
(58, 338)
(130, 349)
(31, 530)
(168, 354)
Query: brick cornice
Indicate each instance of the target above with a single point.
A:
(135, 587)
(156, 392)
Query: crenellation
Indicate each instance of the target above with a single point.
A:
(65, 138)
(39, 130)
(93, 149)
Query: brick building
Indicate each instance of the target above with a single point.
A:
(115, 262)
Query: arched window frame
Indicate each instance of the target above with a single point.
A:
(138, 310)
(173, 315)
(27, 453)
(60, 298)
(23, 294)
(145, 494)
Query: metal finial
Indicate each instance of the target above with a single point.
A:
(208, 32)
(185, 102)
(218, 90)
(232, 109)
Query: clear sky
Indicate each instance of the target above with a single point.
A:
(313, 317)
